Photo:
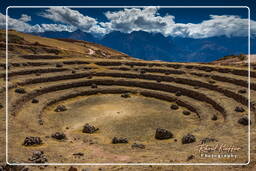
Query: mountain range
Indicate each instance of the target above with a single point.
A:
(155, 46)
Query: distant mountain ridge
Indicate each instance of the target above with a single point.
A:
(154, 46)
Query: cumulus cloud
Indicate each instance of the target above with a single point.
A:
(147, 19)
(224, 25)
(133, 19)
(22, 25)
(75, 18)
(136, 19)
(25, 18)
(58, 27)
(19, 25)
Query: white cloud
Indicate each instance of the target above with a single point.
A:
(136, 19)
(58, 27)
(133, 19)
(22, 25)
(25, 18)
(19, 25)
(147, 19)
(220, 25)
(75, 18)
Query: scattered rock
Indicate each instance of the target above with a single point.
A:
(79, 154)
(94, 86)
(174, 107)
(239, 109)
(7, 167)
(207, 140)
(60, 108)
(244, 120)
(242, 91)
(72, 169)
(162, 134)
(89, 129)
(125, 95)
(190, 157)
(211, 82)
(40, 121)
(29, 141)
(185, 112)
(142, 71)
(59, 65)
(34, 101)
(38, 74)
(141, 146)
(73, 72)
(178, 93)
(189, 138)
(38, 157)
(20, 90)
(89, 77)
(196, 87)
(116, 140)
(214, 117)
(59, 136)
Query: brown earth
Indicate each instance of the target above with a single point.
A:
(123, 97)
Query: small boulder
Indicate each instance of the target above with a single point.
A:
(211, 82)
(178, 93)
(174, 107)
(20, 90)
(38, 157)
(214, 118)
(242, 91)
(120, 140)
(125, 95)
(30, 141)
(244, 120)
(142, 71)
(189, 138)
(79, 154)
(59, 136)
(196, 87)
(59, 65)
(72, 169)
(60, 108)
(89, 129)
(239, 109)
(141, 146)
(94, 86)
(190, 157)
(1, 106)
(186, 112)
(162, 134)
(34, 101)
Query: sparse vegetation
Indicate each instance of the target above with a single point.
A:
(146, 111)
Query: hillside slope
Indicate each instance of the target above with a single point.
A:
(27, 44)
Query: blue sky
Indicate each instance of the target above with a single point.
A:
(176, 22)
